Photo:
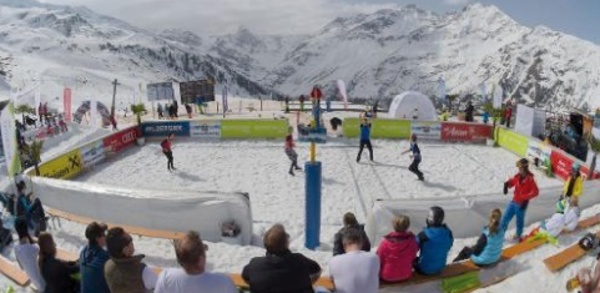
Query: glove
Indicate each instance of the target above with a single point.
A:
(505, 190)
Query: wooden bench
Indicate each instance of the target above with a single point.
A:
(130, 229)
(13, 272)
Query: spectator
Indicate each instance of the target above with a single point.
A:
(188, 109)
(5, 236)
(590, 279)
(32, 212)
(574, 184)
(124, 271)
(92, 259)
(508, 115)
(398, 251)
(160, 111)
(525, 190)
(350, 222)
(488, 249)
(302, 99)
(469, 112)
(343, 268)
(565, 219)
(434, 242)
(26, 252)
(193, 277)
(280, 271)
(56, 273)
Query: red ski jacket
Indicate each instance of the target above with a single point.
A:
(289, 142)
(525, 189)
(166, 145)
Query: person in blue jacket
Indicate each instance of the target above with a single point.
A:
(365, 139)
(434, 243)
(488, 249)
(92, 259)
(416, 156)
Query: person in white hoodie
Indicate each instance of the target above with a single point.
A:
(566, 219)
(26, 252)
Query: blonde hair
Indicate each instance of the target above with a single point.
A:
(401, 223)
(494, 221)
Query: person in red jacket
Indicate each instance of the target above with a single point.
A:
(508, 115)
(290, 152)
(525, 190)
(166, 148)
(397, 252)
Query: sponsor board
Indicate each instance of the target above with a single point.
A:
(63, 167)
(205, 129)
(465, 132)
(561, 164)
(512, 141)
(351, 127)
(120, 140)
(540, 151)
(179, 128)
(254, 128)
(426, 130)
(92, 153)
(390, 128)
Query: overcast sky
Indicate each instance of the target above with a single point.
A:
(577, 17)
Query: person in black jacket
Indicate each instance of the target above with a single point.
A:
(280, 271)
(56, 273)
(350, 222)
(469, 112)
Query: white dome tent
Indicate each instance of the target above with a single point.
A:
(403, 107)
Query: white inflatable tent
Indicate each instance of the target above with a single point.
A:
(403, 107)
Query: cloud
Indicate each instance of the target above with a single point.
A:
(225, 16)
(457, 2)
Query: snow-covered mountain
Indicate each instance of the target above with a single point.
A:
(378, 55)
(387, 52)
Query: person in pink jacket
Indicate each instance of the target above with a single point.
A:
(397, 252)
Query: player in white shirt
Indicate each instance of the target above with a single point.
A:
(192, 277)
(356, 271)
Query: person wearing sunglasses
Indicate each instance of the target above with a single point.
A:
(525, 190)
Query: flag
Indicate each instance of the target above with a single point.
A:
(9, 140)
(37, 100)
(442, 89)
(225, 104)
(497, 96)
(93, 112)
(342, 88)
(67, 104)
(483, 90)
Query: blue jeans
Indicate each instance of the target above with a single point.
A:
(513, 209)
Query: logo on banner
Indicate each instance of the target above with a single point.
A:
(205, 129)
(465, 132)
(63, 167)
(160, 129)
(120, 140)
(92, 153)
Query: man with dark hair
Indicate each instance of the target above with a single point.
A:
(193, 277)
(343, 268)
(365, 139)
(166, 148)
(124, 271)
(350, 222)
(416, 156)
(26, 253)
(280, 271)
(434, 242)
(92, 259)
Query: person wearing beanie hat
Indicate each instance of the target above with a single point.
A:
(92, 258)
(525, 190)
(434, 242)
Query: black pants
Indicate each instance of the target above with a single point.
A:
(465, 253)
(169, 155)
(293, 156)
(414, 167)
(363, 143)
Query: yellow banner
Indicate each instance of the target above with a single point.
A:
(63, 167)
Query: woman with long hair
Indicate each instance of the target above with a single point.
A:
(488, 249)
(56, 273)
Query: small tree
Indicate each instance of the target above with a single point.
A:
(595, 146)
(34, 151)
(138, 110)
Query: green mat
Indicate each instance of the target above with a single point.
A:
(461, 283)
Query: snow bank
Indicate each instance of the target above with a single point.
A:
(467, 215)
(161, 210)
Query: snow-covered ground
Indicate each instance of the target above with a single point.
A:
(260, 168)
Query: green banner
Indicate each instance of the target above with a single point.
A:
(512, 141)
(381, 128)
(254, 128)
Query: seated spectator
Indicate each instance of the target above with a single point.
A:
(565, 218)
(434, 242)
(488, 249)
(398, 251)
(5, 236)
(92, 259)
(343, 267)
(589, 279)
(124, 271)
(280, 271)
(349, 222)
(26, 252)
(193, 277)
(56, 273)
(32, 212)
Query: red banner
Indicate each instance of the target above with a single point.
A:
(561, 164)
(120, 140)
(67, 104)
(465, 132)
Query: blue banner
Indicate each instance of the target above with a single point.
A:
(179, 128)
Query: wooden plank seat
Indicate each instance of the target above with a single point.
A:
(13, 272)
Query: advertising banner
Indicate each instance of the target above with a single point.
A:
(92, 153)
(254, 128)
(208, 129)
(388, 128)
(540, 151)
(466, 132)
(9, 140)
(512, 141)
(427, 130)
(561, 164)
(350, 127)
(120, 140)
(160, 91)
(67, 103)
(179, 128)
(63, 167)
